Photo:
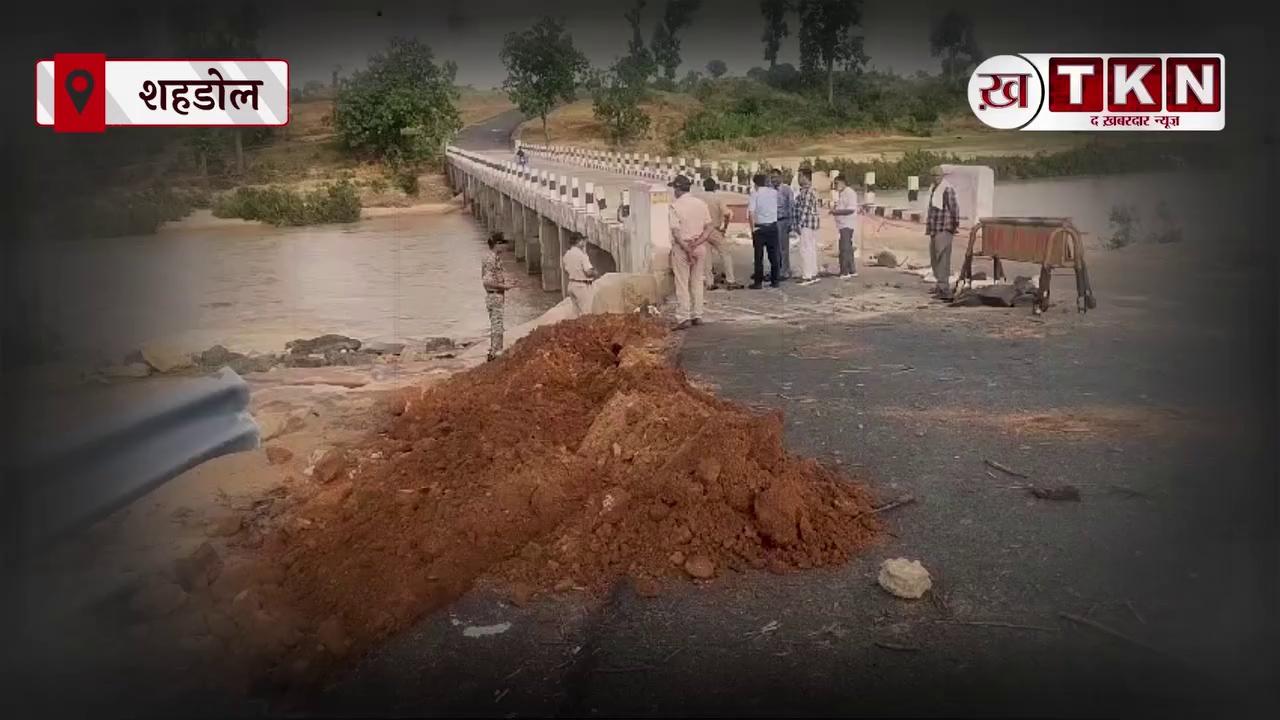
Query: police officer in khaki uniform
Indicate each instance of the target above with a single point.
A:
(495, 287)
(577, 266)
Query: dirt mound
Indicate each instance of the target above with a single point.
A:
(582, 457)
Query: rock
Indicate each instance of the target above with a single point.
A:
(646, 587)
(1059, 492)
(271, 427)
(681, 535)
(166, 358)
(128, 370)
(564, 585)
(309, 360)
(226, 527)
(904, 578)
(884, 258)
(322, 344)
(522, 593)
(382, 348)
(199, 569)
(777, 511)
(332, 636)
(436, 344)
(330, 466)
(157, 598)
(253, 363)
(217, 356)
(677, 558)
(700, 567)
(277, 455)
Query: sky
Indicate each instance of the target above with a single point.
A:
(318, 35)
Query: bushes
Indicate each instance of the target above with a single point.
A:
(137, 213)
(336, 203)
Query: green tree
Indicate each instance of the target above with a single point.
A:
(775, 27)
(665, 46)
(717, 68)
(401, 106)
(826, 38)
(543, 68)
(639, 59)
(952, 37)
(616, 97)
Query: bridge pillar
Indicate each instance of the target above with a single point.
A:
(533, 241)
(516, 219)
(549, 240)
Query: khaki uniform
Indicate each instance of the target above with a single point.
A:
(578, 267)
(689, 216)
(718, 242)
(491, 275)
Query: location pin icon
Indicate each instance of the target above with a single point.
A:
(80, 88)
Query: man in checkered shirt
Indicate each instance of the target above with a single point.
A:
(940, 225)
(807, 223)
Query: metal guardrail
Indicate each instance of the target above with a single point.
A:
(69, 480)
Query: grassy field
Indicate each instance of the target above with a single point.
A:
(575, 123)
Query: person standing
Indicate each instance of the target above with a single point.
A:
(762, 210)
(807, 223)
(846, 214)
(941, 223)
(495, 287)
(718, 240)
(786, 213)
(690, 227)
(581, 275)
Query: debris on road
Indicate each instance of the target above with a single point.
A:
(478, 631)
(904, 578)
(1004, 468)
(894, 504)
(1057, 492)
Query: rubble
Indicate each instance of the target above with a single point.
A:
(904, 578)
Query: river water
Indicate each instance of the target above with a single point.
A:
(253, 287)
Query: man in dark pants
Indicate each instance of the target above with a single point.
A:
(762, 210)
(786, 210)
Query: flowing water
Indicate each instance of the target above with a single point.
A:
(253, 287)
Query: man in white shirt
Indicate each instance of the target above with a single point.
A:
(846, 214)
(762, 209)
(690, 227)
(577, 266)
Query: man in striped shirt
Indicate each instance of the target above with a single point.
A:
(941, 223)
(807, 222)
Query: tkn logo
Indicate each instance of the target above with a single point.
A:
(1100, 92)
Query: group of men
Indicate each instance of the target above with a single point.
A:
(699, 222)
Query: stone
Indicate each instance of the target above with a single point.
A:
(904, 578)
(253, 363)
(522, 594)
(277, 455)
(708, 470)
(217, 356)
(436, 344)
(322, 344)
(158, 597)
(700, 567)
(382, 348)
(308, 360)
(128, 370)
(332, 636)
(199, 569)
(646, 587)
(166, 358)
(330, 466)
(681, 535)
(272, 426)
(226, 527)
(677, 558)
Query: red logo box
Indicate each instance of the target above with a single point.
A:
(1129, 79)
(1193, 84)
(91, 115)
(1062, 75)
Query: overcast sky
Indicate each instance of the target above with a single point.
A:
(317, 35)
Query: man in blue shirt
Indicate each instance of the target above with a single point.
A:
(762, 210)
(786, 214)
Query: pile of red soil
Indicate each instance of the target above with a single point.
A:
(580, 458)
